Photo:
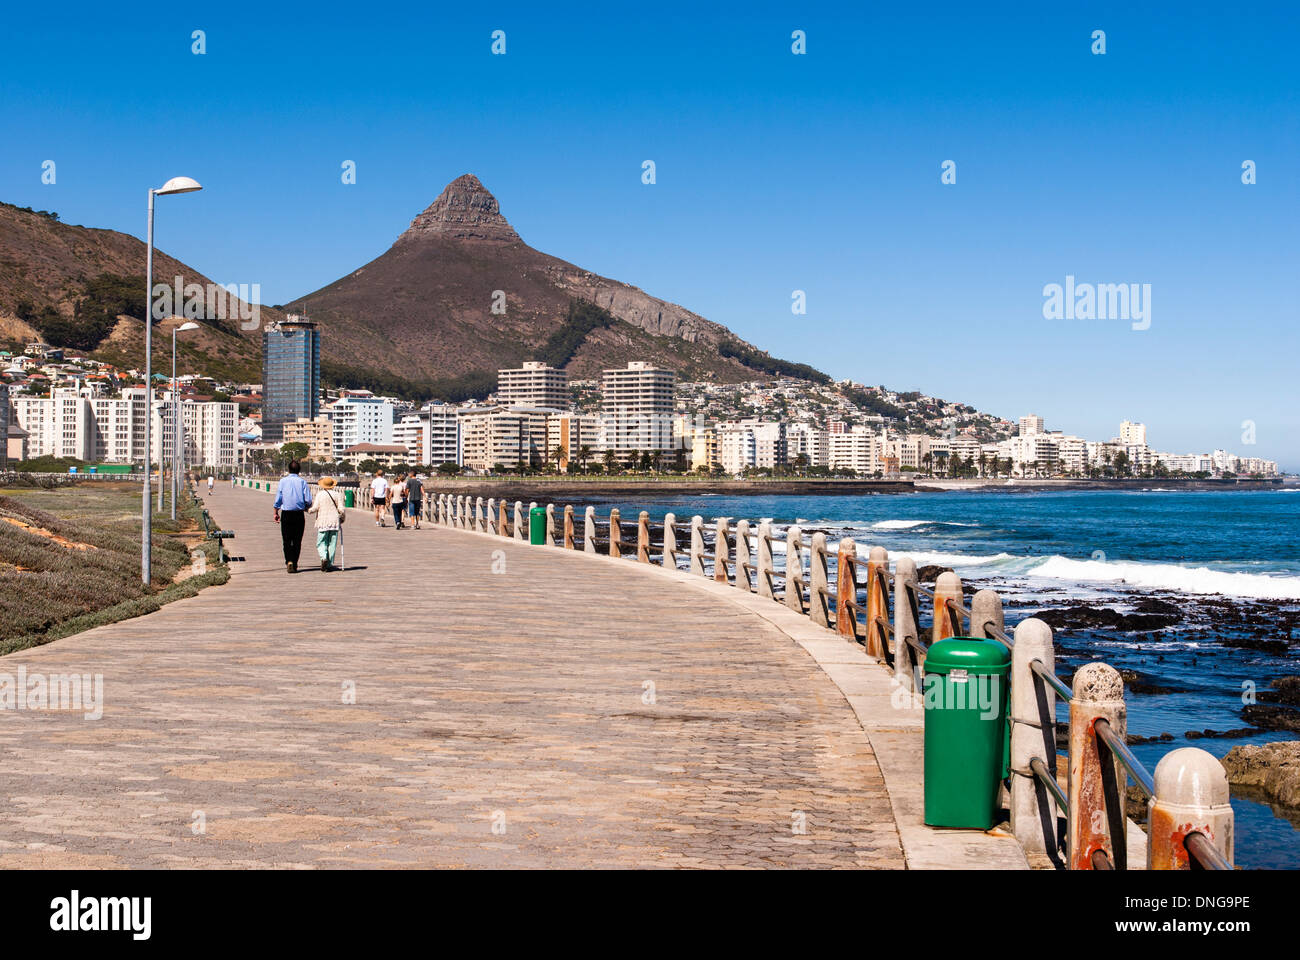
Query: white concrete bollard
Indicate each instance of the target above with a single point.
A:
(519, 520)
(765, 567)
(906, 660)
(589, 530)
(1191, 796)
(697, 545)
(1033, 732)
(670, 541)
(819, 608)
(794, 579)
(721, 551)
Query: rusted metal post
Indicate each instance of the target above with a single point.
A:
(819, 609)
(766, 570)
(721, 552)
(503, 522)
(986, 615)
(697, 545)
(906, 660)
(743, 565)
(1191, 796)
(946, 623)
(615, 533)
(643, 537)
(794, 569)
(1096, 794)
(877, 603)
(568, 526)
(589, 530)
(670, 541)
(846, 590)
(519, 520)
(550, 524)
(1033, 729)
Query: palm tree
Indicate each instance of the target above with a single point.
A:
(584, 454)
(557, 454)
(927, 461)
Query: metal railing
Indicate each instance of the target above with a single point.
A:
(1081, 825)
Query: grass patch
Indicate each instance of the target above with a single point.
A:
(70, 560)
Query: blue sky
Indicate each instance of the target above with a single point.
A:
(775, 172)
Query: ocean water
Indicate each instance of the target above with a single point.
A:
(1229, 559)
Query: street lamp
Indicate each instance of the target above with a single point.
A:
(174, 185)
(178, 457)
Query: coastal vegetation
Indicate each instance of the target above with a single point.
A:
(70, 560)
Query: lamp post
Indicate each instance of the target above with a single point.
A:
(174, 185)
(178, 458)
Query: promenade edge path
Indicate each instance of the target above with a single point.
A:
(501, 719)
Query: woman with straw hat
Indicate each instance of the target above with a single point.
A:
(329, 521)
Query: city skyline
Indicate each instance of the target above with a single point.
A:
(1121, 168)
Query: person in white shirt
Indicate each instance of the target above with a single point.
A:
(211, 480)
(329, 515)
(379, 495)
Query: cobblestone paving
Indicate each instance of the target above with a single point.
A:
(500, 720)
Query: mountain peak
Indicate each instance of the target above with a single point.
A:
(465, 210)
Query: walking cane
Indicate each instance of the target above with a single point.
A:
(339, 552)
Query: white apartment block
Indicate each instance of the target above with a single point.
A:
(637, 409)
(119, 427)
(736, 449)
(1133, 434)
(60, 425)
(208, 433)
(857, 449)
(502, 436)
(808, 441)
(1031, 425)
(360, 417)
(442, 436)
(409, 431)
(533, 385)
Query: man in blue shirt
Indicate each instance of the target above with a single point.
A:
(292, 498)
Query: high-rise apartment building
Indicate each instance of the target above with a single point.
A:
(442, 436)
(1031, 425)
(637, 409)
(1134, 434)
(533, 385)
(290, 375)
(208, 433)
(59, 425)
(569, 433)
(359, 417)
(509, 437)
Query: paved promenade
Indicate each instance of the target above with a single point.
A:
(568, 712)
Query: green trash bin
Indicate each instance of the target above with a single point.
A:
(967, 737)
(349, 498)
(537, 526)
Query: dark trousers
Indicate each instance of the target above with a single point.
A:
(291, 526)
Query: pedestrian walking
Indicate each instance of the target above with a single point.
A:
(379, 496)
(414, 499)
(292, 498)
(399, 500)
(329, 523)
(211, 482)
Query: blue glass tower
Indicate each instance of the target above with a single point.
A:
(290, 375)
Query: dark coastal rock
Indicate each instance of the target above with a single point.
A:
(930, 572)
(1273, 768)
(1283, 690)
(1152, 605)
(1271, 717)
(1135, 682)
(1221, 734)
(1088, 616)
(1133, 738)
(1276, 647)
